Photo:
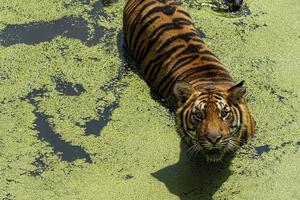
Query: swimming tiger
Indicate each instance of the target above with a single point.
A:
(211, 111)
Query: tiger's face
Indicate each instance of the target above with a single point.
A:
(214, 121)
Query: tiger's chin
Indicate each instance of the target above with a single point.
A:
(214, 155)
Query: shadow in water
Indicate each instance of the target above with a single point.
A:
(194, 178)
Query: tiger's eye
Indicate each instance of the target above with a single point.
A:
(197, 116)
(224, 113)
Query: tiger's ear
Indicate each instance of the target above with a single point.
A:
(182, 91)
(236, 93)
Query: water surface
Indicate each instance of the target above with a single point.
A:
(78, 122)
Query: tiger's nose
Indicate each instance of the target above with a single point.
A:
(213, 138)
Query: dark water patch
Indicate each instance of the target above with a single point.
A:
(259, 62)
(240, 22)
(68, 88)
(107, 3)
(78, 58)
(116, 86)
(256, 26)
(37, 32)
(262, 149)
(286, 143)
(11, 181)
(280, 98)
(201, 33)
(227, 8)
(46, 133)
(40, 165)
(98, 33)
(128, 177)
(96, 12)
(95, 127)
(66, 150)
(98, 8)
(250, 98)
(264, 65)
(242, 27)
(94, 59)
(275, 92)
(233, 5)
(266, 148)
(34, 94)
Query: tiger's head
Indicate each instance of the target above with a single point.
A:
(213, 120)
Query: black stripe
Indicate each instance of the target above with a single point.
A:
(202, 68)
(218, 96)
(211, 79)
(141, 52)
(176, 67)
(241, 118)
(181, 19)
(184, 116)
(152, 41)
(157, 70)
(188, 119)
(161, 58)
(142, 30)
(167, 10)
(139, 48)
(235, 115)
(184, 13)
(208, 52)
(133, 9)
(198, 39)
(199, 69)
(192, 70)
(182, 122)
(168, 27)
(170, 73)
(136, 21)
(185, 36)
(175, 24)
(162, 1)
(213, 74)
(208, 58)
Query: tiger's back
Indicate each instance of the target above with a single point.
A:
(161, 37)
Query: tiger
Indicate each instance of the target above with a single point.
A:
(212, 115)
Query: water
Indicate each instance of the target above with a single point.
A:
(46, 133)
(78, 122)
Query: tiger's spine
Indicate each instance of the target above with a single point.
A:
(160, 36)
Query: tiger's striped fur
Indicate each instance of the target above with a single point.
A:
(170, 54)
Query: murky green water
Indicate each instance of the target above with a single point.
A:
(77, 122)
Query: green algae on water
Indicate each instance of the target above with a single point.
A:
(93, 102)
